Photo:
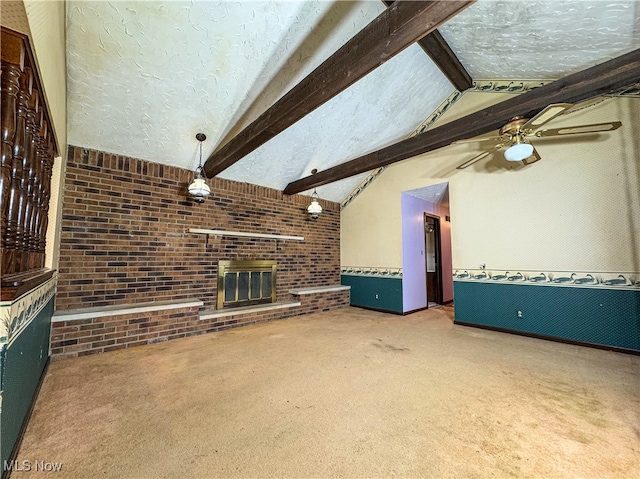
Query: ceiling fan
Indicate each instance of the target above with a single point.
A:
(514, 135)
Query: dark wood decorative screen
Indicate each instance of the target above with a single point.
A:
(28, 150)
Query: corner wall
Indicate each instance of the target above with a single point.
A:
(575, 211)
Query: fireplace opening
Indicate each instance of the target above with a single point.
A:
(246, 283)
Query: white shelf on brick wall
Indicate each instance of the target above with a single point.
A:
(319, 289)
(261, 308)
(117, 310)
(244, 234)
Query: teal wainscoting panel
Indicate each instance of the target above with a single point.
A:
(25, 358)
(383, 293)
(596, 315)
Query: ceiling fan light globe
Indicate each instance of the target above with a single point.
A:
(518, 152)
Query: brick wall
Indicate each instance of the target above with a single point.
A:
(125, 235)
(104, 334)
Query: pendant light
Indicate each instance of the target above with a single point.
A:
(314, 209)
(198, 188)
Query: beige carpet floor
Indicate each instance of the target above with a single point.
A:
(342, 394)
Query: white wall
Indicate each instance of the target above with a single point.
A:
(578, 209)
(414, 280)
(48, 39)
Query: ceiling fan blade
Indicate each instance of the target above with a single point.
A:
(480, 138)
(574, 130)
(479, 157)
(533, 158)
(548, 114)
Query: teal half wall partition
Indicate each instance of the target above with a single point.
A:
(383, 293)
(23, 358)
(595, 315)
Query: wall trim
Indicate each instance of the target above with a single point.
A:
(16, 315)
(371, 271)
(619, 280)
(506, 86)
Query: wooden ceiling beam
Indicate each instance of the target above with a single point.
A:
(391, 32)
(598, 80)
(442, 55)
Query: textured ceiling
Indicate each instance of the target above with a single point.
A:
(435, 194)
(145, 77)
(541, 39)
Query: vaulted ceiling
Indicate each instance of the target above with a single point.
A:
(145, 77)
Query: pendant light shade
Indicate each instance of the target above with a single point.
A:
(199, 189)
(314, 209)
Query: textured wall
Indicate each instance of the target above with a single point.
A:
(125, 234)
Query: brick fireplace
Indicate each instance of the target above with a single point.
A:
(126, 239)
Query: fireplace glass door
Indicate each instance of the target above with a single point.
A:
(247, 282)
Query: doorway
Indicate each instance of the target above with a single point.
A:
(433, 259)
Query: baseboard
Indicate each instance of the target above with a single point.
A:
(16, 447)
(447, 302)
(396, 312)
(376, 309)
(551, 338)
(415, 310)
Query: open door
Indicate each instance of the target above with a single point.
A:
(432, 259)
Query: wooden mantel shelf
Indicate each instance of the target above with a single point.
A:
(246, 235)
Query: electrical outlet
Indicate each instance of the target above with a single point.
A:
(519, 314)
(376, 296)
